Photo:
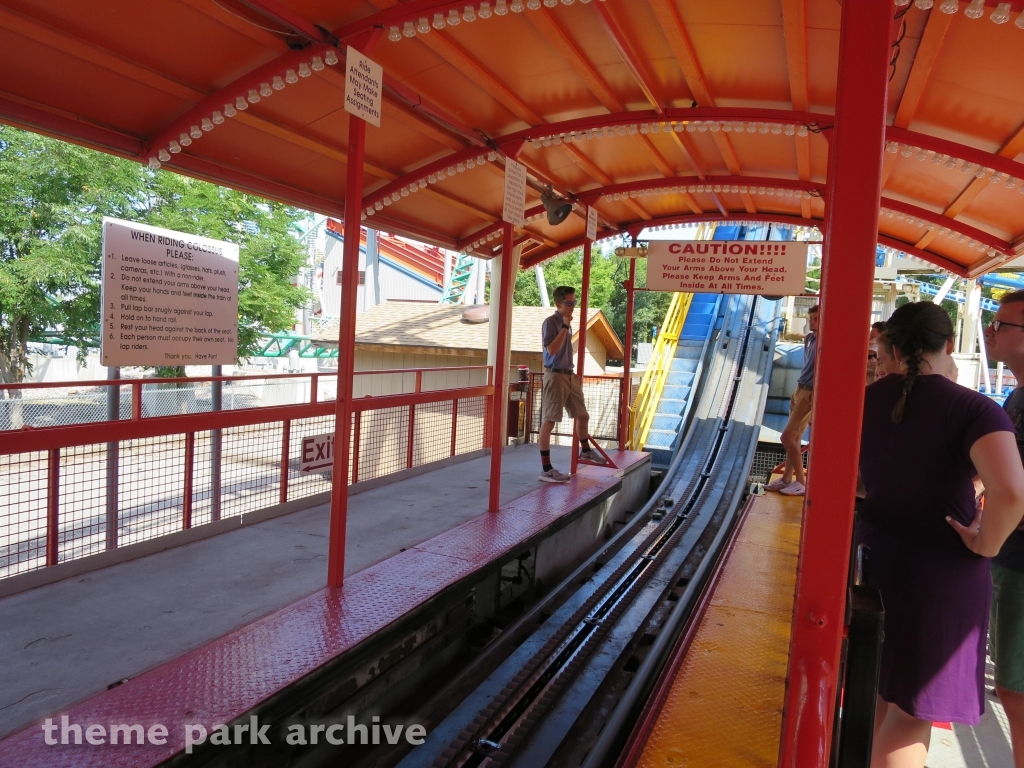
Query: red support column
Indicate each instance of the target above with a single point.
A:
(286, 436)
(500, 397)
(581, 353)
(186, 493)
(854, 188)
(346, 353)
(627, 390)
(53, 506)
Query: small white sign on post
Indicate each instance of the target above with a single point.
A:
(591, 223)
(514, 209)
(167, 298)
(364, 86)
(727, 266)
(317, 452)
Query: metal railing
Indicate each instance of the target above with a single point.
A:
(602, 395)
(646, 404)
(70, 491)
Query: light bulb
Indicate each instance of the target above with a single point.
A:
(370, 210)
(1019, 23)
(790, 130)
(937, 158)
(924, 5)
(317, 64)
(776, 129)
(291, 77)
(1010, 183)
(217, 117)
(461, 167)
(253, 97)
(900, 3)
(304, 70)
(265, 90)
(405, 191)
(762, 128)
(278, 84)
(550, 3)
(378, 206)
(423, 26)
(438, 22)
(566, 2)
(330, 58)
(409, 30)
(154, 164)
(175, 147)
(907, 150)
(229, 110)
(184, 139)
(975, 10)
(471, 163)
(921, 156)
(394, 34)
(163, 155)
(432, 178)
(801, 131)
(395, 196)
(1001, 14)
(492, 156)
(655, 127)
(386, 201)
(195, 133)
(500, 9)
(485, 10)
(207, 125)
(516, 6)
(951, 163)
(715, 127)
(422, 183)
(533, 5)
(453, 18)
(949, 6)
(241, 104)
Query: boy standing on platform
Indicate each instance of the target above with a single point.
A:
(793, 478)
(1004, 341)
(562, 387)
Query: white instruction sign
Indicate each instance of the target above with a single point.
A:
(727, 266)
(364, 85)
(168, 298)
(591, 223)
(317, 452)
(514, 210)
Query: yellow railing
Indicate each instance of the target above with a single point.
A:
(641, 414)
(646, 405)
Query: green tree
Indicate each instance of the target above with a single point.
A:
(53, 197)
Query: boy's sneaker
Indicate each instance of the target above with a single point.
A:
(593, 457)
(777, 485)
(793, 489)
(553, 476)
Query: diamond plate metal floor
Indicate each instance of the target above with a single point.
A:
(724, 706)
(227, 677)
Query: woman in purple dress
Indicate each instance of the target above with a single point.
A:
(924, 439)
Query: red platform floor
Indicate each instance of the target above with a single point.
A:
(224, 679)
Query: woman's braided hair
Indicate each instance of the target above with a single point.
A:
(915, 329)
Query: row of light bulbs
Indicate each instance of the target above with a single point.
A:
(975, 10)
(469, 15)
(422, 182)
(692, 188)
(970, 242)
(496, 234)
(240, 104)
(937, 158)
(690, 126)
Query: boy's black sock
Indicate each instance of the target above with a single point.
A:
(545, 460)
(584, 445)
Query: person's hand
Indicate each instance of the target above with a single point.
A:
(969, 534)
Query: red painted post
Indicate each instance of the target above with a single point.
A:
(286, 437)
(346, 353)
(500, 397)
(455, 424)
(627, 389)
(581, 354)
(357, 419)
(52, 505)
(410, 440)
(314, 385)
(854, 190)
(136, 400)
(186, 493)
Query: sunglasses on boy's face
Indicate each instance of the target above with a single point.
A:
(569, 303)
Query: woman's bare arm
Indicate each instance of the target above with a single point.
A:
(998, 463)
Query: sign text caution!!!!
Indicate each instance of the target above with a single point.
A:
(727, 266)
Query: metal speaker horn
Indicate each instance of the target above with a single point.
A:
(558, 208)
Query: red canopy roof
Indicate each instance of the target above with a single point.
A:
(655, 111)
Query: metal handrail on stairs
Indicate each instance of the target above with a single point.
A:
(644, 409)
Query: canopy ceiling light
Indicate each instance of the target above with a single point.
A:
(558, 208)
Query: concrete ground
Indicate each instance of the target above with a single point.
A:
(65, 641)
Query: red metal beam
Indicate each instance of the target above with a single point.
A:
(687, 181)
(854, 189)
(498, 403)
(346, 357)
(934, 258)
(942, 221)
